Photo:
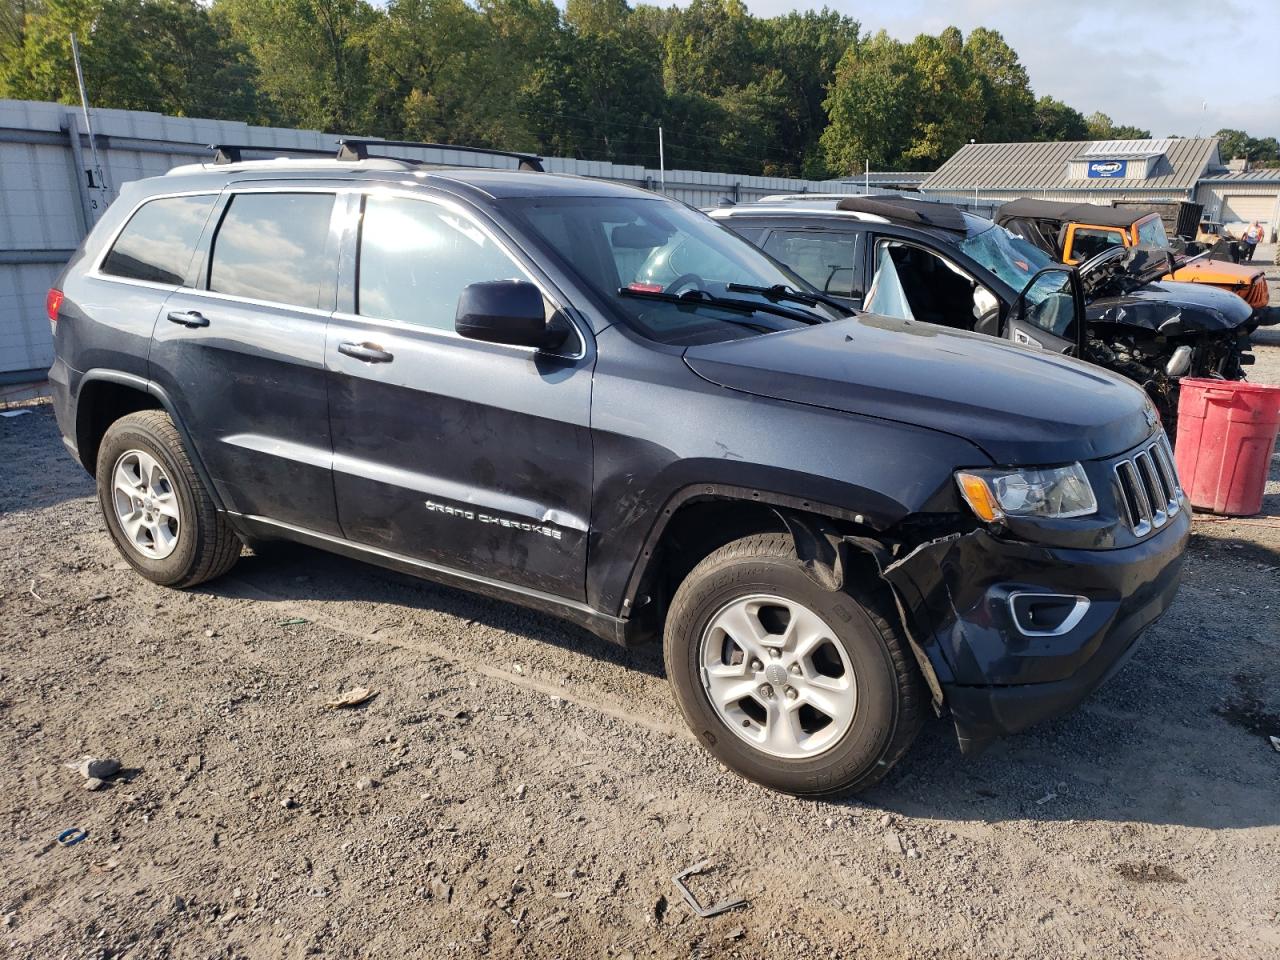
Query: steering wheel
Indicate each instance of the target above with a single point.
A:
(683, 280)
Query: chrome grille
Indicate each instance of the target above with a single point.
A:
(1150, 494)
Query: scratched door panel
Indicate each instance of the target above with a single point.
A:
(471, 455)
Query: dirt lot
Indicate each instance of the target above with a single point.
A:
(517, 788)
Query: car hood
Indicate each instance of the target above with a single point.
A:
(1170, 308)
(1021, 406)
(1220, 272)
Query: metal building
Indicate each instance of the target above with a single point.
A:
(51, 193)
(1100, 171)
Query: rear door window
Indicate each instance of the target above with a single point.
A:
(157, 243)
(822, 257)
(271, 246)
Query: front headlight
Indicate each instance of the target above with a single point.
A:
(999, 492)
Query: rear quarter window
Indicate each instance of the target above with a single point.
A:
(157, 243)
(271, 246)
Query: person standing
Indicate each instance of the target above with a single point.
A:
(1252, 237)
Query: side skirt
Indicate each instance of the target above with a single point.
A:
(610, 628)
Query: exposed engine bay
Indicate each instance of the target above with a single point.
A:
(1157, 332)
(1158, 363)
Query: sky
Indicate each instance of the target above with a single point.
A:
(1170, 66)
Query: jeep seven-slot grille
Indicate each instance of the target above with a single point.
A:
(1149, 491)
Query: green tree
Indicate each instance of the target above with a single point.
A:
(13, 17)
(1102, 127)
(1054, 120)
(597, 16)
(902, 106)
(867, 115)
(599, 96)
(709, 48)
(750, 120)
(311, 63)
(947, 108)
(163, 55)
(1233, 144)
(1009, 105)
(805, 48)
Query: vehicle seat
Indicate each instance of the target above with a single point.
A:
(936, 294)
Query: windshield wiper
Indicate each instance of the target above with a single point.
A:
(780, 291)
(695, 297)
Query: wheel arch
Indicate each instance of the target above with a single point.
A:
(833, 544)
(105, 395)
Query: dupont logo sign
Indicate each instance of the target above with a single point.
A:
(1106, 169)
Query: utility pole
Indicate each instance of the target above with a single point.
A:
(866, 178)
(88, 124)
(662, 162)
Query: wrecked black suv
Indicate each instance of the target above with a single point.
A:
(834, 521)
(923, 260)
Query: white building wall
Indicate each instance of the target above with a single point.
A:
(1266, 207)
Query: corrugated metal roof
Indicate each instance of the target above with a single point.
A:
(1129, 148)
(1044, 166)
(1252, 176)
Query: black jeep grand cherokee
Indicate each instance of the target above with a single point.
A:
(474, 376)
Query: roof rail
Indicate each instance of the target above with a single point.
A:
(234, 152)
(359, 150)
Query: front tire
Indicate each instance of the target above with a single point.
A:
(800, 688)
(157, 508)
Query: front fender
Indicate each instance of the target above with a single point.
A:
(663, 436)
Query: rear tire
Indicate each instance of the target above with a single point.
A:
(834, 719)
(157, 508)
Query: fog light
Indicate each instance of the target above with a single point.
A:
(1047, 614)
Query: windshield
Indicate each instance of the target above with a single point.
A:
(1012, 259)
(632, 250)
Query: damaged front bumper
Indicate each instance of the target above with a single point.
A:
(973, 604)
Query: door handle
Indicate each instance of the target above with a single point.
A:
(189, 318)
(368, 352)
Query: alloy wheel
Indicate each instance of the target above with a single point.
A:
(146, 504)
(776, 675)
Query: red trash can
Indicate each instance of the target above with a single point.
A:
(1226, 436)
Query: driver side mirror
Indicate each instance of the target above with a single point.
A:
(505, 311)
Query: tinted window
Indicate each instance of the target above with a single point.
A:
(159, 240)
(271, 247)
(824, 259)
(416, 257)
(1087, 242)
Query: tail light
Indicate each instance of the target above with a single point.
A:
(52, 304)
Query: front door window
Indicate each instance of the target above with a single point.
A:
(913, 283)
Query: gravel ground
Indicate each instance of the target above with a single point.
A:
(517, 788)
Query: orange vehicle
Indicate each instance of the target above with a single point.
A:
(1074, 232)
